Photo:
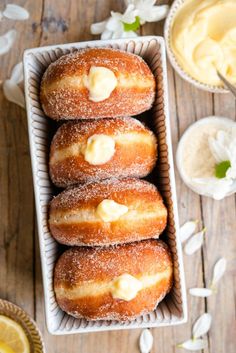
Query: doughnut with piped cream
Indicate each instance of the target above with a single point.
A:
(114, 283)
(97, 82)
(108, 212)
(85, 151)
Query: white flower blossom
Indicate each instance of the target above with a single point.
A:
(223, 149)
(120, 25)
(147, 11)
(113, 27)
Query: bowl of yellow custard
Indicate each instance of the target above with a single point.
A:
(201, 40)
(18, 332)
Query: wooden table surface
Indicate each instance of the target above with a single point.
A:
(62, 21)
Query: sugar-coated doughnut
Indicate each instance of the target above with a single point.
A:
(85, 151)
(97, 82)
(114, 283)
(108, 212)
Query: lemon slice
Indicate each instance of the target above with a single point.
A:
(12, 337)
(4, 348)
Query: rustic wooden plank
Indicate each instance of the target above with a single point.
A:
(16, 194)
(187, 104)
(69, 21)
(220, 219)
(184, 110)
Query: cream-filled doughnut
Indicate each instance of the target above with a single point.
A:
(108, 212)
(114, 283)
(97, 82)
(92, 150)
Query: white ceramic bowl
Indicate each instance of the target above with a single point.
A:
(225, 122)
(174, 62)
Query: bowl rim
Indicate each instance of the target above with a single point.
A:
(172, 58)
(16, 313)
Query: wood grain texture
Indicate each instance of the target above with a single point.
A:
(56, 22)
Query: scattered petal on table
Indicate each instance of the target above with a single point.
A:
(13, 93)
(145, 341)
(194, 243)
(187, 229)
(15, 12)
(200, 292)
(17, 75)
(219, 270)
(202, 325)
(6, 41)
(193, 345)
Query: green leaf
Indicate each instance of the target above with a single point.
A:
(132, 26)
(221, 169)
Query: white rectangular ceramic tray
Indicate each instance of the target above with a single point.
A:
(172, 310)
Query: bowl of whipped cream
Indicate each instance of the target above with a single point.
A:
(201, 40)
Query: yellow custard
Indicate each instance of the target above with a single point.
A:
(203, 39)
(126, 287)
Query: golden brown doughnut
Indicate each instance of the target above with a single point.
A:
(108, 212)
(114, 283)
(131, 150)
(68, 88)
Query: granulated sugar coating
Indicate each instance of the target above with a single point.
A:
(64, 96)
(74, 220)
(93, 270)
(134, 155)
(76, 131)
(71, 197)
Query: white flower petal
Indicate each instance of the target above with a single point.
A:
(6, 41)
(194, 243)
(130, 14)
(187, 229)
(106, 34)
(13, 93)
(202, 325)
(154, 13)
(219, 146)
(98, 28)
(113, 23)
(219, 270)
(145, 341)
(17, 74)
(231, 173)
(193, 345)
(214, 187)
(15, 12)
(200, 292)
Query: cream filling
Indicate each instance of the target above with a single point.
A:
(90, 215)
(203, 39)
(125, 287)
(100, 83)
(99, 149)
(109, 210)
(95, 288)
(123, 81)
(122, 139)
